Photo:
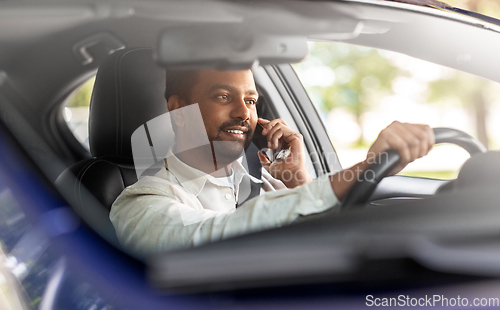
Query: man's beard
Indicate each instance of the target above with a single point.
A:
(227, 151)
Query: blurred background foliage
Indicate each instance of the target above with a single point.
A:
(357, 78)
(358, 91)
(81, 98)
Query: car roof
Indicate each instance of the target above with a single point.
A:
(424, 32)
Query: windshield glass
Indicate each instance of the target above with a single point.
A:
(359, 91)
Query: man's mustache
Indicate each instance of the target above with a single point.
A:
(230, 124)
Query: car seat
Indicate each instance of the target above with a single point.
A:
(128, 92)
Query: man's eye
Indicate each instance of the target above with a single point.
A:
(251, 101)
(223, 97)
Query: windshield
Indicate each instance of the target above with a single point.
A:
(358, 91)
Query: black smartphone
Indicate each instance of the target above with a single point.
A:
(261, 142)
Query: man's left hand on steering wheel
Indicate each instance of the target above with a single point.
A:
(411, 141)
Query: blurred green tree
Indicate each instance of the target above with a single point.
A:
(83, 95)
(473, 92)
(361, 77)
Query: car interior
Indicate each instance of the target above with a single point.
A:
(127, 49)
(127, 94)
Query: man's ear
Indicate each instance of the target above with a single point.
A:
(174, 103)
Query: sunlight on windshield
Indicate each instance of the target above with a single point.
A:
(359, 91)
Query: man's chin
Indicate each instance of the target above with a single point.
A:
(225, 151)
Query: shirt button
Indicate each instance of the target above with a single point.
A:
(228, 196)
(319, 203)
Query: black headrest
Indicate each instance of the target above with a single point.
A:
(128, 92)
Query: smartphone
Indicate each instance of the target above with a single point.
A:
(261, 142)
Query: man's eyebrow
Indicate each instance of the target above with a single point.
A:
(230, 88)
(253, 92)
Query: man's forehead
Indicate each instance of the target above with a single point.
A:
(229, 80)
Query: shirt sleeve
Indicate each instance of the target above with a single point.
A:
(148, 219)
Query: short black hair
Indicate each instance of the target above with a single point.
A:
(180, 82)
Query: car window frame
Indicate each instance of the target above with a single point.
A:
(295, 98)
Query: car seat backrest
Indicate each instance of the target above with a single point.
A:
(128, 92)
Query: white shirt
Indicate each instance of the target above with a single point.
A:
(183, 207)
(229, 180)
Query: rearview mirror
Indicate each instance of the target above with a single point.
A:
(226, 46)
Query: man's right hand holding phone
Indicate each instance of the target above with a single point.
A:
(289, 165)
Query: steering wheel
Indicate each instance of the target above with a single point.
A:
(364, 187)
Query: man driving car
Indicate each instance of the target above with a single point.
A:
(193, 199)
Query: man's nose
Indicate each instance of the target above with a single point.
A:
(240, 110)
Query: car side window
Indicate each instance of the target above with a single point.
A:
(358, 91)
(76, 112)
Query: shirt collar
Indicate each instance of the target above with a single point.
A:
(194, 180)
